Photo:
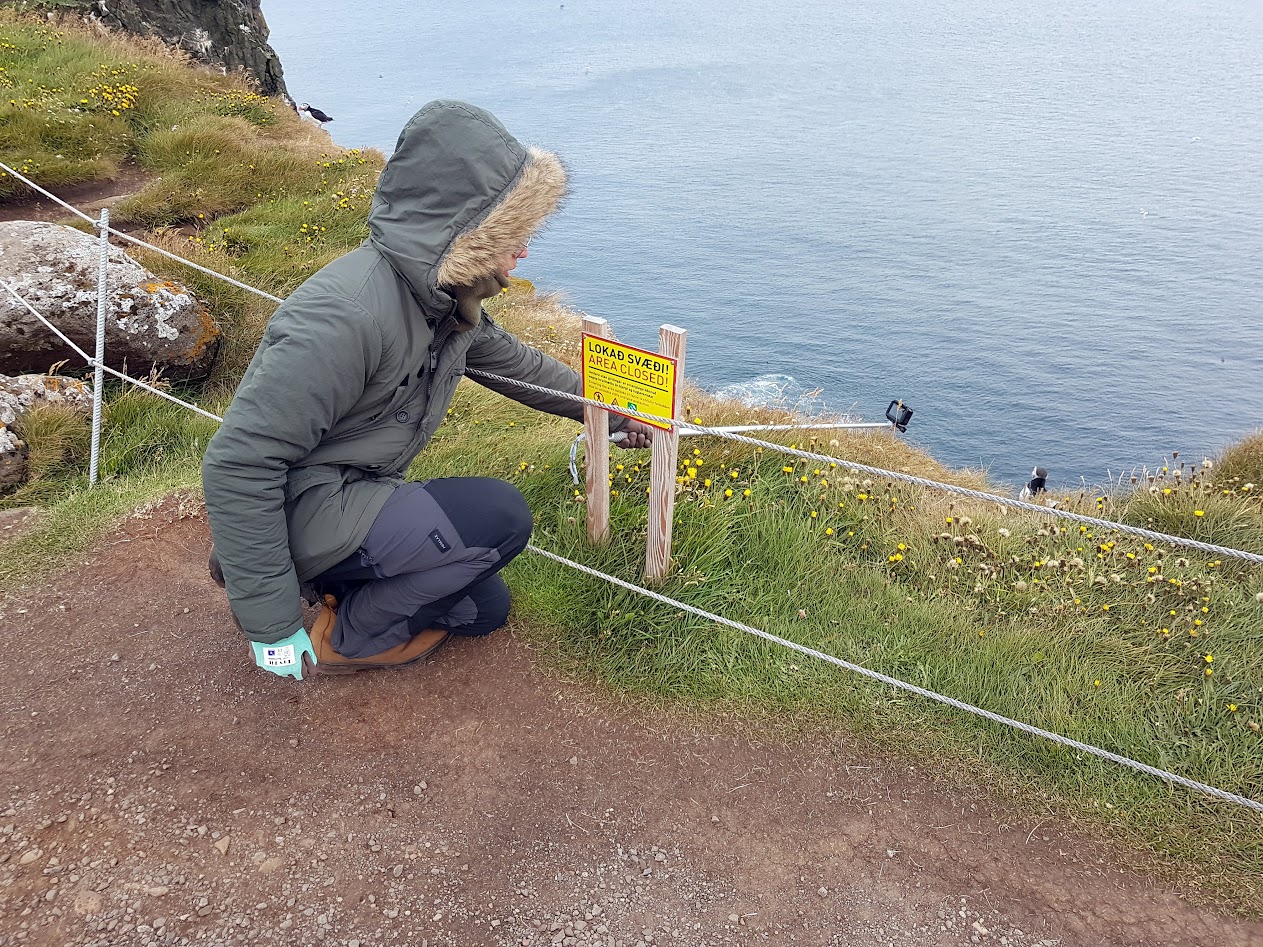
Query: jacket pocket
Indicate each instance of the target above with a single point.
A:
(302, 479)
(403, 394)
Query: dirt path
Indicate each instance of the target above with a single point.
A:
(157, 789)
(89, 197)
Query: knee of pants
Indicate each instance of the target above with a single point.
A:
(485, 511)
(493, 602)
(514, 513)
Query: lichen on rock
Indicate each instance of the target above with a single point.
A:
(17, 396)
(151, 322)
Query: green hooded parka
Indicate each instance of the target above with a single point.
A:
(357, 367)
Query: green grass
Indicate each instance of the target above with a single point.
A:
(1085, 632)
(1018, 625)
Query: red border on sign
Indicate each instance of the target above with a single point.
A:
(675, 375)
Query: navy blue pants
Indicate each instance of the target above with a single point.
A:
(430, 560)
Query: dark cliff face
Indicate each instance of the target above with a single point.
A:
(227, 33)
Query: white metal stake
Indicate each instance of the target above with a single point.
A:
(102, 286)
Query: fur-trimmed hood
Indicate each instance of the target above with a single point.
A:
(457, 195)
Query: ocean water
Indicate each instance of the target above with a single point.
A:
(1041, 225)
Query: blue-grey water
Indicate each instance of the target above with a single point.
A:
(1041, 224)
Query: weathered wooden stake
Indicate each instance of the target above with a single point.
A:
(666, 451)
(596, 430)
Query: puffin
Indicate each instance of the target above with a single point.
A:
(315, 113)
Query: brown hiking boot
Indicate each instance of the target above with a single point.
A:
(328, 661)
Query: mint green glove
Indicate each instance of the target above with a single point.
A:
(285, 657)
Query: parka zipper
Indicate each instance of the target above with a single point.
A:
(434, 363)
(436, 349)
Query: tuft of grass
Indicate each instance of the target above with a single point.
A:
(1240, 466)
(142, 433)
(58, 439)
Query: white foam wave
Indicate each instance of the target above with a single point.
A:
(765, 391)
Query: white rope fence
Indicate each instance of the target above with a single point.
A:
(911, 688)
(726, 434)
(97, 363)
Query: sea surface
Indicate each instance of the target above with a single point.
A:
(1039, 224)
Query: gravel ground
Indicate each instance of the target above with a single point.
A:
(159, 790)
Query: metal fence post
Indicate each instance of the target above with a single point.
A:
(98, 380)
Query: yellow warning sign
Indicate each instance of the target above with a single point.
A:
(626, 377)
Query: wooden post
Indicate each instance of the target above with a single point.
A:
(666, 452)
(596, 430)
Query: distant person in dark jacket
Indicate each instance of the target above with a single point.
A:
(304, 479)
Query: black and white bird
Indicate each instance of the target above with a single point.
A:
(1036, 485)
(315, 113)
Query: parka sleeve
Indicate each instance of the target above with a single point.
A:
(316, 360)
(499, 352)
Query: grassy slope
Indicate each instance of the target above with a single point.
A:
(1095, 636)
